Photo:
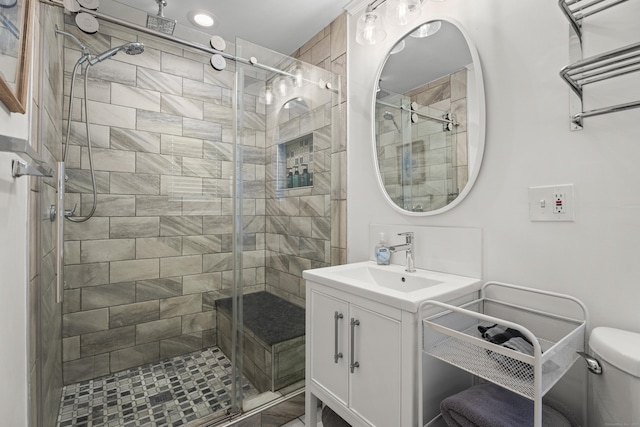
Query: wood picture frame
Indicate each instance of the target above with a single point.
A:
(16, 26)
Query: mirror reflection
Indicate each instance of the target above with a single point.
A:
(422, 110)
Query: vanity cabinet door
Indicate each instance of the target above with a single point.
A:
(329, 344)
(375, 383)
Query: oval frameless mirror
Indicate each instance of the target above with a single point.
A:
(429, 118)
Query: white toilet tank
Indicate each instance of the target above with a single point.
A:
(615, 395)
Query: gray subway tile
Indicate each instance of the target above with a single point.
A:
(158, 122)
(125, 271)
(204, 282)
(94, 228)
(162, 82)
(179, 345)
(83, 275)
(132, 314)
(134, 356)
(134, 183)
(156, 289)
(86, 368)
(198, 322)
(85, 322)
(158, 330)
(180, 225)
(105, 341)
(135, 140)
(157, 247)
(107, 250)
(108, 295)
(179, 266)
(126, 227)
(157, 206)
(179, 306)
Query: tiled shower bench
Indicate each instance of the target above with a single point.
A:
(273, 339)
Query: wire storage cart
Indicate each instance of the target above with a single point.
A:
(453, 336)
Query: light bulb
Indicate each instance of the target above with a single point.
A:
(268, 95)
(426, 30)
(369, 29)
(402, 12)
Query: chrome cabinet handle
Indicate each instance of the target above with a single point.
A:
(354, 364)
(336, 355)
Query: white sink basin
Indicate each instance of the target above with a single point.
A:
(392, 285)
(387, 277)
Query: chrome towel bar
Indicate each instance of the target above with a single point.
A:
(32, 164)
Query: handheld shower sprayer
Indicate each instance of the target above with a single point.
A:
(388, 115)
(133, 48)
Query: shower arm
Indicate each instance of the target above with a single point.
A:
(85, 49)
(251, 61)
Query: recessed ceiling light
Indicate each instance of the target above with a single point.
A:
(202, 18)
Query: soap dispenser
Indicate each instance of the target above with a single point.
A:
(383, 254)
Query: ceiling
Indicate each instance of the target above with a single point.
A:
(280, 25)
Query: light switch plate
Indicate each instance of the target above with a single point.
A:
(551, 203)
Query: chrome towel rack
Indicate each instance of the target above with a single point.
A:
(604, 66)
(577, 10)
(32, 164)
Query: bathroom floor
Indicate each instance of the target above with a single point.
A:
(169, 393)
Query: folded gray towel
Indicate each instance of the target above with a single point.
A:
(488, 405)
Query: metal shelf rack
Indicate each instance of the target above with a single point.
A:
(453, 337)
(597, 68)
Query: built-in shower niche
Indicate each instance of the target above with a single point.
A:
(295, 163)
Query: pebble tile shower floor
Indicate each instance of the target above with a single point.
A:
(169, 393)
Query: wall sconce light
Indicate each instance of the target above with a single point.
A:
(403, 12)
(298, 75)
(370, 27)
(268, 95)
(281, 86)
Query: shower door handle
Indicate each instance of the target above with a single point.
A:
(354, 364)
(59, 224)
(336, 354)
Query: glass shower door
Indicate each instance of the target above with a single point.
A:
(286, 126)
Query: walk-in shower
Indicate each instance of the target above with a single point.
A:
(195, 239)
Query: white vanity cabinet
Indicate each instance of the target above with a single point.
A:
(355, 357)
(362, 345)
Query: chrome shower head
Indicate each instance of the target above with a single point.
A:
(388, 115)
(133, 48)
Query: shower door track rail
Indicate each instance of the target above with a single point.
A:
(251, 61)
(412, 111)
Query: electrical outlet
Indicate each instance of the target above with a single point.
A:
(551, 203)
(558, 203)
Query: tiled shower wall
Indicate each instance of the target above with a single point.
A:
(306, 228)
(45, 346)
(143, 273)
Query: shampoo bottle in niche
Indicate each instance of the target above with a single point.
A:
(383, 254)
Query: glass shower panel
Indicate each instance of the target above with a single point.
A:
(286, 124)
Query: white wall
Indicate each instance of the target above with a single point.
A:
(13, 280)
(522, 46)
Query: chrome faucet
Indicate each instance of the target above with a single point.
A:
(408, 247)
